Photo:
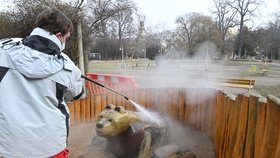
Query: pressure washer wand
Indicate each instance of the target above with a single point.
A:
(99, 84)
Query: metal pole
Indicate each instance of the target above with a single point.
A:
(121, 48)
(99, 84)
(122, 53)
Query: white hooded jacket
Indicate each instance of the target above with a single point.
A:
(34, 76)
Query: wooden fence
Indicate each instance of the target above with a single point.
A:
(242, 126)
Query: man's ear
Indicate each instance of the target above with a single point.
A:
(59, 35)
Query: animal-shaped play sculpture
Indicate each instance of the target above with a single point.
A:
(128, 134)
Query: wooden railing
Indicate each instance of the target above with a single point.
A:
(242, 126)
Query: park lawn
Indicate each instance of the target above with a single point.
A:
(114, 66)
(265, 83)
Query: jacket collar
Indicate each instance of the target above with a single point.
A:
(48, 35)
(43, 41)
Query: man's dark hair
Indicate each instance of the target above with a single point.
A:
(54, 21)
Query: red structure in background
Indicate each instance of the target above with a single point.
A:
(117, 82)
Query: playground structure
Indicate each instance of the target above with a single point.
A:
(263, 69)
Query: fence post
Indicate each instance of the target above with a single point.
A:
(72, 113)
(233, 112)
(92, 108)
(98, 105)
(251, 129)
(77, 109)
(260, 126)
(181, 104)
(272, 128)
(239, 147)
(218, 122)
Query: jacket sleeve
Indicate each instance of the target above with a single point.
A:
(77, 89)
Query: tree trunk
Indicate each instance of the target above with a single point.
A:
(241, 39)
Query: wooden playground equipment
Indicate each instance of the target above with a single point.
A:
(243, 126)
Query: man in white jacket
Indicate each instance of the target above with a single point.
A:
(34, 77)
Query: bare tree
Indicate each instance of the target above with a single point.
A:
(102, 10)
(185, 29)
(225, 17)
(274, 27)
(195, 28)
(123, 18)
(245, 10)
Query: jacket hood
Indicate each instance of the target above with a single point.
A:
(38, 56)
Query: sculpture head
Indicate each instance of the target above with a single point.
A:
(114, 120)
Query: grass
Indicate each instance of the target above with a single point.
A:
(113, 67)
(266, 83)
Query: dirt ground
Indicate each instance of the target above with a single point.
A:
(81, 146)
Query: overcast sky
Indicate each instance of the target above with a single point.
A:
(164, 12)
(161, 14)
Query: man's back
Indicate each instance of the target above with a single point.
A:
(34, 118)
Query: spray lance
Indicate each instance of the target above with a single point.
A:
(140, 108)
(99, 84)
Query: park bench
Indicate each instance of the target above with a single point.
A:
(148, 65)
(235, 82)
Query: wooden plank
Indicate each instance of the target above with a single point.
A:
(98, 105)
(128, 104)
(103, 101)
(213, 105)
(272, 128)
(159, 103)
(224, 127)
(119, 99)
(186, 107)
(218, 122)
(251, 128)
(238, 83)
(72, 113)
(92, 108)
(206, 110)
(88, 111)
(135, 96)
(234, 85)
(204, 93)
(240, 142)
(77, 109)
(198, 99)
(114, 98)
(196, 108)
(109, 98)
(181, 104)
(163, 101)
(174, 104)
(83, 110)
(147, 98)
(233, 117)
(142, 99)
(260, 126)
(235, 80)
(192, 108)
